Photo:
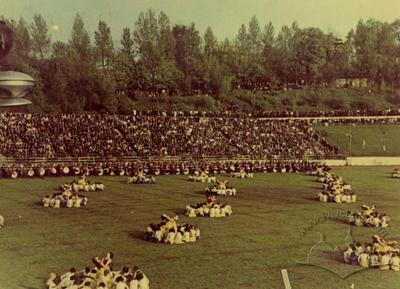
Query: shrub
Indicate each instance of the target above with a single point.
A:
(334, 103)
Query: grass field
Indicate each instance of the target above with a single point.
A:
(245, 250)
(376, 137)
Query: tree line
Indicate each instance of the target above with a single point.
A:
(157, 59)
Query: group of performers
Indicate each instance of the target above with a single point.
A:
(396, 174)
(377, 254)
(170, 232)
(242, 174)
(82, 185)
(368, 217)
(221, 188)
(203, 177)
(101, 276)
(65, 199)
(212, 208)
(335, 189)
(140, 177)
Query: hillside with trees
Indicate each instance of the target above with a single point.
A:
(159, 65)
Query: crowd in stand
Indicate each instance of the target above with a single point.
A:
(379, 253)
(165, 167)
(69, 135)
(101, 276)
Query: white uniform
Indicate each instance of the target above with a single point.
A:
(144, 283)
(134, 284)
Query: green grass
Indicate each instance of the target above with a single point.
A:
(375, 136)
(245, 250)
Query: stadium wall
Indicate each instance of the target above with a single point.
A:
(373, 161)
(335, 163)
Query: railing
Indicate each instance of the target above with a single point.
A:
(90, 159)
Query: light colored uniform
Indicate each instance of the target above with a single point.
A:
(144, 283)
(363, 260)
(178, 238)
(385, 262)
(134, 284)
(121, 285)
(374, 260)
(395, 263)
(346, 255)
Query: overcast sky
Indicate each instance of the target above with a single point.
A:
(224, 16)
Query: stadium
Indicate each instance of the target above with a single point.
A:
(172, 159)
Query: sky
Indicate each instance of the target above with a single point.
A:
(223, 16)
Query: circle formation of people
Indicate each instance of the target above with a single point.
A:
(68, 196)
(212, 208)
(242, 174)
(170, 232)
(65, 199)
(221, 188)
(379, 253)
(203, 177)
(141, 178)
(335, 189)
(82, 185)
(100, 276)
(368, 218)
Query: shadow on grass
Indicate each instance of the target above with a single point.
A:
(340, 221)
(137, 234)
(200, 193)
(179, 211)
(38, 204)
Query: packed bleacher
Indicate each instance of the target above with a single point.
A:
(75, 135)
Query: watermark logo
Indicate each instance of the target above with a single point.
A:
(328, 255)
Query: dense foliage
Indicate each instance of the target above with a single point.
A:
(155, 60)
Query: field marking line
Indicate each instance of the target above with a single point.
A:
(286, 280)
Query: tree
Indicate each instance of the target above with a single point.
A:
(166, 41)
(22, 40)
(210, 43)
(104, 44)
(40, 36)
(188, 56)
(127, 42)
(146, 39)
(254, 36)
(80, 40)
(309, 54)
(268, 54)
(365, 42)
